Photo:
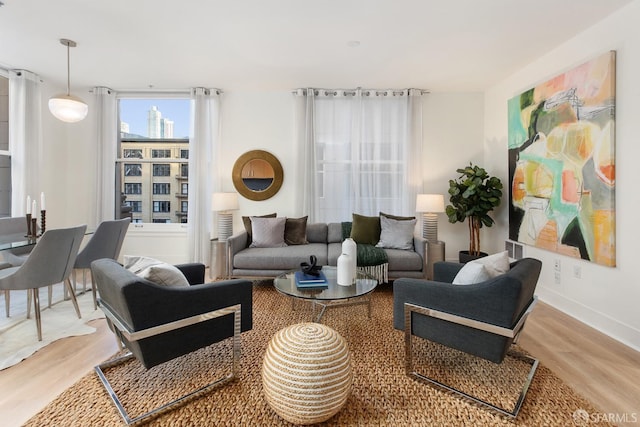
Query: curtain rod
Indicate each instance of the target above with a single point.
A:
(352, 91)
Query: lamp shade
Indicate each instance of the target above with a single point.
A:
(68, 108)
(224, 202)
(431, 203)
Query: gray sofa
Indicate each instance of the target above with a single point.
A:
(325, 242)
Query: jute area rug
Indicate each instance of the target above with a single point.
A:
(382, 395)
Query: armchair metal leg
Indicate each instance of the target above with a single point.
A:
(236, 310)
(409, 309)
(7, 299)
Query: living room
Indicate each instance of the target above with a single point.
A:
(460, 126)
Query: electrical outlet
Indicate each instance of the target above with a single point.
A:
(557, 277)
(577, 271)
(556, 265)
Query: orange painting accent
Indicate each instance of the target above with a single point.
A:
(604, 236)
(609, 171)
(570, 192)
(548, 236)
(517, 187)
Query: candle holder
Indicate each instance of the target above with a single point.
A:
(34, 227)
(43, 221)
(28, 225)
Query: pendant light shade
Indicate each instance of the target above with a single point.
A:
(67, 107)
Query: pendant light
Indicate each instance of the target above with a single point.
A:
(67, 107)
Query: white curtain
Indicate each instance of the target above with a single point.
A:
(106, 111)
(305, 168)
(25, 138)
(365, 150)
(203, 143)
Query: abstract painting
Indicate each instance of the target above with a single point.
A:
(562, 163)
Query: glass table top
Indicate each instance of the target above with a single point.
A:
(364, 284)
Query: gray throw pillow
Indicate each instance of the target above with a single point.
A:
(396, 234)
(267, 232)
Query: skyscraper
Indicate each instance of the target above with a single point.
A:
(157, 127)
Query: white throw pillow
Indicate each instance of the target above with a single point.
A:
(395, 234)
(155, 271)
(495, 264)
(267, 232)
(471, 273)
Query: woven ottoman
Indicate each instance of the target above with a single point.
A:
(306, 373)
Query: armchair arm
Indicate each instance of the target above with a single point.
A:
(444, 271)
(194, 272)
(151, 305)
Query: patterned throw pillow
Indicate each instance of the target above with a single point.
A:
(267, 232)
(246, 221)
(396, 234)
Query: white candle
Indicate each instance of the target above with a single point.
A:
(34, 207)
(28, 205)
(42, 208)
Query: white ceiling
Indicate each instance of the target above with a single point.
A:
(238, 45)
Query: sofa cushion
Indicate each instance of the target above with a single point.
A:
(403, 260)
(267, 232)
(155, 271)
(295, 231)
(365, 229)
(284, 258)
(317, 232)
(396, 234)
(246, 221)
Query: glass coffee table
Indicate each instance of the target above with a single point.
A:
(334, 295)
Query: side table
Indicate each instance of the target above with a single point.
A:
(435, 253)
(219, 265)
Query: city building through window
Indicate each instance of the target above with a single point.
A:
(154, 131)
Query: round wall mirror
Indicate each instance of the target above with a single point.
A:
(257, 175)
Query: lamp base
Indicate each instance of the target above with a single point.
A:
(225, 226)
(430, 226)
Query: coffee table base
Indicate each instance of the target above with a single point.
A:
(325, 304)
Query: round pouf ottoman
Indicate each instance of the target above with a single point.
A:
(306, 373)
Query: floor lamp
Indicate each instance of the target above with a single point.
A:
(431, 205)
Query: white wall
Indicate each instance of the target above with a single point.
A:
(606, 298)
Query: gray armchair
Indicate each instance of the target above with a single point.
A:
(482, 319)
(160, 323)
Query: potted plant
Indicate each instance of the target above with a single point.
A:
(473, 195)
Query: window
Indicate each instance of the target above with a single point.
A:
(136, 205)
(132, 153)
(184, 205)
(161, 206)
(161, 154)
(133, 188)
(161, 170)
(161, 188)
(154, 130)
(132, 169)
(184, 189)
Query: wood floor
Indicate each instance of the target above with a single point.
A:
(600, 368)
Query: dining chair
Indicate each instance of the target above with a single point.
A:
(13, 228)
(51, 261)
(106, 242)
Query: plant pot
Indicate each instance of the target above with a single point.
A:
(464, 256)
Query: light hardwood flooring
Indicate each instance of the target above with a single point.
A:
(598, 367)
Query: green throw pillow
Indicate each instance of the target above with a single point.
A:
(397, 218)
(365, 229)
